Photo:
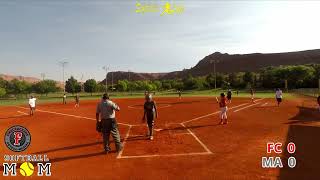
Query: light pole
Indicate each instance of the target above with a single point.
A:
(63, 64)
(112, 80)
(129, 83)
(214, 72)
(43, 75)
(106, 68)
(82, 84)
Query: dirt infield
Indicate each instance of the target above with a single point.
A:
(188, 144)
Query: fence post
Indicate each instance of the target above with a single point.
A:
(286, 85)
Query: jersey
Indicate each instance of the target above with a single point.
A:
(149, 108)
(32, 102)
(279, 94)
(229, 93)
(107, 109)
(223, 102)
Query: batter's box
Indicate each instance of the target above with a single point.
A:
(169, 140)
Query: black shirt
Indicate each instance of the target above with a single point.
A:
(149, 108)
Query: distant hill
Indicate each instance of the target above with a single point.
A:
(226, 63)
(121, 75)
(11, 77)
(229, 63)
(27, 79)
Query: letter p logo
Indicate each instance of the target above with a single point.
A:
(17, 138)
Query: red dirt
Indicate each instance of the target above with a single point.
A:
(75, 148)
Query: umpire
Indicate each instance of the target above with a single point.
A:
(106, 111)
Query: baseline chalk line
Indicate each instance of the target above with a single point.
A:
(246, 107)
(124, 142)
(165, 155)
(22, 113)
(207, 115)
(70, 115)
(197, 139)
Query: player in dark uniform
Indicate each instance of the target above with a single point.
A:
(77, 99)
(229, 94)
(252, 95)
(179, 93)
(150, 111)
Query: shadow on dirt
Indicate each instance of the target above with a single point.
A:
(305, 115)
(306, 139)
(307, 153)
(68, 147)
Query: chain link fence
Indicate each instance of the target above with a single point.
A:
(313, 92)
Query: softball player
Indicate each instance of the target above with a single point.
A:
(278, 96)
(229, 94)
(32, 105)
(224, 109)
(150, 110)
(77, 99)
(252, 95)
(64, 99)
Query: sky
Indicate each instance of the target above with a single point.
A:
(36, 35)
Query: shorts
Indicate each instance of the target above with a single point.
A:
(223, 112)
(279, 99)
(229, 97)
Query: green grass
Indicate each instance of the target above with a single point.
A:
(57, 97)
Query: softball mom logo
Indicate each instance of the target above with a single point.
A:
(17, 139)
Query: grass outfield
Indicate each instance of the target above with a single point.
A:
(86, 96)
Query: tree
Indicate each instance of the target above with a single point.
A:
(177, 84)
(2, 92)
(297, 76)
(132, 86)
(18, 87)
(166, 85)
(189, 83)
(200, 83)
(45, 87)
(90, 86)
(72, 85)
(158, 85)
(101, 87)
(248, 77)
(122, 85)
(3, 83)
(232, 80)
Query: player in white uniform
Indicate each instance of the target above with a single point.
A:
(278, 96)
(32, 105)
